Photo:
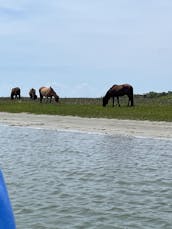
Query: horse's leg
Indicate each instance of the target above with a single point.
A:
(41, 97)
(129, 100)
(113, 98)
(118, 100)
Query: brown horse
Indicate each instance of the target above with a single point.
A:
(119, 90)
(32, 94)
(15, 93)
(48, 92)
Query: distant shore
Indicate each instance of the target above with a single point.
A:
(93, 125)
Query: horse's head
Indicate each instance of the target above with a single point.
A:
(105, 101)
(56, 98)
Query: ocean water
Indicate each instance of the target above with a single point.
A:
(68, 180)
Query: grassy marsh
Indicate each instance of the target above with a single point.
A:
(154, 108)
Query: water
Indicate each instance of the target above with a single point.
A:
(66, 180)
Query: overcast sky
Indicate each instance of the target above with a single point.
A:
(83, 47)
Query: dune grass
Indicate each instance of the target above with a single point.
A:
(156, 109)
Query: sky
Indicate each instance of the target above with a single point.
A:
(82, 48)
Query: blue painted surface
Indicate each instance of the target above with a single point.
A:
(7, 220)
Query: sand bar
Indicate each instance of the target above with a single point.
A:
(94, 125)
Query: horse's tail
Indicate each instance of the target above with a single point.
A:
(132, 96)
(12, 95)
(40, 94)
(19, 92)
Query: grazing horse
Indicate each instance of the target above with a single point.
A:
(32, 94)
(15, 93)
(119, 90)
(48, 92)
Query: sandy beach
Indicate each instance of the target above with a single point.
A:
(92, 125)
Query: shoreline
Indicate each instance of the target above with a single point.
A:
(135, 128)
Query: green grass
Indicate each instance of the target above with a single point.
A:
(154, 109)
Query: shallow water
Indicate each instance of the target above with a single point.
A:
(76, 180)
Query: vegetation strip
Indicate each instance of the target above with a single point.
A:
(153, 108)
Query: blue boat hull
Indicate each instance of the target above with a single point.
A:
(7, 220)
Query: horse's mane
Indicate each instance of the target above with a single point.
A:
(113, 86)
(52, 90)
(109, 91)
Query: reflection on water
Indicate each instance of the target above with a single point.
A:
(75, 180)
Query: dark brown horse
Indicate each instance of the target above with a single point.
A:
(119, 90)
(15, 93)
(32, 94)
(48, 92)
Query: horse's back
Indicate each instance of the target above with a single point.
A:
(43, 90)
(15, 89)
(47, 91)
(121, 88)
(127, 86)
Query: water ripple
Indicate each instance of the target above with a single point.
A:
(74, 180)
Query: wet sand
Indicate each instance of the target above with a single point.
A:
(93, 125)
